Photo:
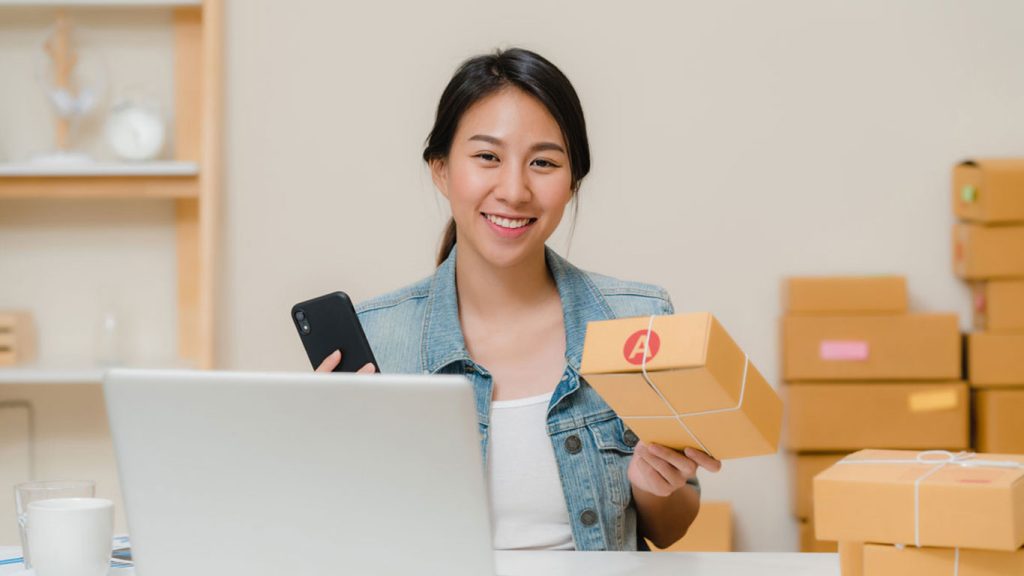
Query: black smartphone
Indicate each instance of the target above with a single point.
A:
(329, 323)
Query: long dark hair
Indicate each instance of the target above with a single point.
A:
(484, 75)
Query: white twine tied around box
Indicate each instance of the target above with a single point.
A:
(946, 458)
(677, 415)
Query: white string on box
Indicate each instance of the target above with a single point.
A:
(962, 459)
(679, 416)
(956, 558)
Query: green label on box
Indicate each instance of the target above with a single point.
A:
(969, 193)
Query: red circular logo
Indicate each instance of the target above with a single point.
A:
(637, 346)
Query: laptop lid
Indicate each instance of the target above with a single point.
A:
(282, 473)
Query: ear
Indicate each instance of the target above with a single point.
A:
(439, 174)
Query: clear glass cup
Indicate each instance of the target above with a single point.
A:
(32, 491)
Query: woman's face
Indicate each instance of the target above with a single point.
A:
(507, 177)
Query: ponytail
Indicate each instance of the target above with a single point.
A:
(447, 242)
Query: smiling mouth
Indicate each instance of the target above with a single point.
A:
(509, 223)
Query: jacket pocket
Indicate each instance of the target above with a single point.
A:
(615, 454)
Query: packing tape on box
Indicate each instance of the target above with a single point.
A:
(677, 415)
(947, 458)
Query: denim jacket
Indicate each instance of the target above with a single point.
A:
(416, 330)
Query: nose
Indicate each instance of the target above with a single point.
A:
(513, 186)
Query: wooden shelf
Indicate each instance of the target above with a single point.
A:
(166, 168)
(144, 180)
(192, 181)
(101, 3)
(34, 374)
(50, 376)
(100, 187)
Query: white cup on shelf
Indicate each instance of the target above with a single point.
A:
(71, 536)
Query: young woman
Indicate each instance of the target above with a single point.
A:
(509, 150)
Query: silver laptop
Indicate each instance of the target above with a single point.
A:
(275, 474)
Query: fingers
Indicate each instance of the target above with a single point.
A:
(703, 460)
(330, 363)
(683, 466)
(657, 483)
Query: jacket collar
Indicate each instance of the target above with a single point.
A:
(443, 341)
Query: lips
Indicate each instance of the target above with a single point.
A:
(508, 227)
(509, 222)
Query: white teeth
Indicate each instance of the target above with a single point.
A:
(506, 223)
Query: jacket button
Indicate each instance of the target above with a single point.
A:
(573, 444)
(588, 517)
(629, 437)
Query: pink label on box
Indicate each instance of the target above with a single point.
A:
(979, 302)
(843, 350)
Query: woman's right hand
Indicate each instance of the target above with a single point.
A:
(332, 361)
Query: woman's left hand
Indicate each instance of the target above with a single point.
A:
(661, 471)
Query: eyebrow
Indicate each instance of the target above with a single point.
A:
(538, 147)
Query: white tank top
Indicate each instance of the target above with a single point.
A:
(527, 504)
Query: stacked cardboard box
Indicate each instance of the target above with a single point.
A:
(861, 371)
(988, 199)
(711, 531)
(923, 513)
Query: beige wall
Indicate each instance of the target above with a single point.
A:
(734, 143)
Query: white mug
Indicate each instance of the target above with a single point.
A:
(71, 536)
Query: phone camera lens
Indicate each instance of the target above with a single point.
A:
(300, 315)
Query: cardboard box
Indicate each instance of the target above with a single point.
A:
(702, 391)
(999, 305)
(851, 558)
(808, 543)
(886, 560)
(989, 190)
(17, 338)
(999, 421)
(711, 531)
(830, 417)
(841, 295)
(981, 252)
(995, 359)
(904, 347)
(805, 467)
(881, 496)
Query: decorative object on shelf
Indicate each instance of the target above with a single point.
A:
(135, 128)
(17, 338)
(75, 83)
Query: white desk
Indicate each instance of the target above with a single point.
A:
(665, 564)
(635, 564)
